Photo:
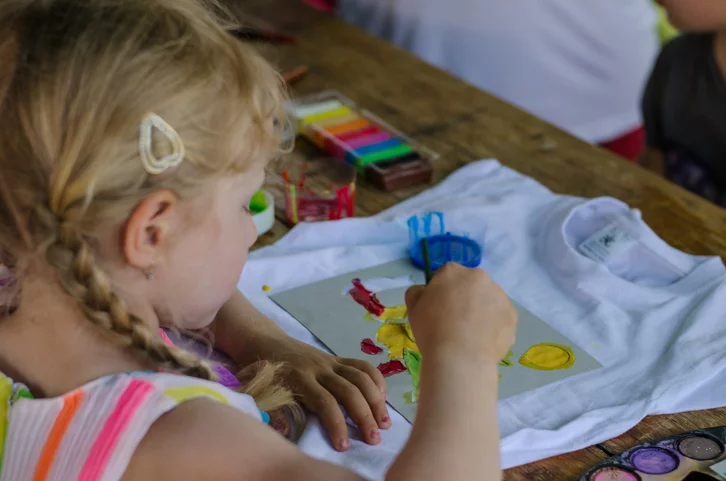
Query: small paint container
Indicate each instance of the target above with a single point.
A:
(444, 247)
(318, 190)
(265, 219)
(615, 473)
(654, 460)
(382, 154)
(700, 447)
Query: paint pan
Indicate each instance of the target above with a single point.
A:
(686, 457)
(385, 156)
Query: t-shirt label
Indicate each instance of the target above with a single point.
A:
(606, 243)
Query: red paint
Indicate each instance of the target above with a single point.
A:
(369, 347)
(390, 368)
(366, 298)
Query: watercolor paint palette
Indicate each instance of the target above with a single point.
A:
(383, 155)
(692, 456)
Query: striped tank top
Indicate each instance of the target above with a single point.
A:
(91, 433)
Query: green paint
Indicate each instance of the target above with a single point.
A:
(258, 203)
(408, 397)
(506, 362)
(412, 360)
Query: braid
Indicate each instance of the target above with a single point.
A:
(72, 257)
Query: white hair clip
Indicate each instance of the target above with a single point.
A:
(152, 164)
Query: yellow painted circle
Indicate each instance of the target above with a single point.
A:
(548, 357)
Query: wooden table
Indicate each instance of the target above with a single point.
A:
(464, 124)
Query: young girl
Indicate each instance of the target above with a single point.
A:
(134, 135)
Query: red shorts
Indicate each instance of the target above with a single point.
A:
(629, 145)
(323, 5)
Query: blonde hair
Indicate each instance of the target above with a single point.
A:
(76, 80)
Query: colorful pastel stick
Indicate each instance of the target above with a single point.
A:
(362, 141)
(354, 134)
(352, 156)
(350, 127)
(329, 114)
(336, 120)
(308, 110)
(386, 144)
(398, 151)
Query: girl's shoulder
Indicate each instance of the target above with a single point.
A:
(93, 431)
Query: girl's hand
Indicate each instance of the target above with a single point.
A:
(324, 382)
(462, 312)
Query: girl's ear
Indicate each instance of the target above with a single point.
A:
(147, 230)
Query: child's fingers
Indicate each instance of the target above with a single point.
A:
(320, 401)
(373, 395)
(355, 405)
(369, 369)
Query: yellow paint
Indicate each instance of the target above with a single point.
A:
(409, 332)
(507, 362)
(266, 288)
(185, 393)
(548, 357)
(395, 312)
(395, 338)
(369, 317)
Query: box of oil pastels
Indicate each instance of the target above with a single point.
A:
(693, 456)
(383, 155)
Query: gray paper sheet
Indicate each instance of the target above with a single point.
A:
(340, 323)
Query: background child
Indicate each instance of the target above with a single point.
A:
(580, 65)
(135, 134)
(685, 101)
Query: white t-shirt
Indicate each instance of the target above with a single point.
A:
(579, 64)
(653, 316)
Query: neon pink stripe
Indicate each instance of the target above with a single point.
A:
(165, 337)
(129, 402)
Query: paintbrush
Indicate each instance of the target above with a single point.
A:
(426, 259)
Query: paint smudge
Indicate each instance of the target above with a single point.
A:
(390, 368)
(410, 397)
(395, 338)
(369, 347)
(395, 312)
(507, 361)
(412, 360)
(548, 357)
(266, 288)
(369, 317)
(380, 284)
(366, 298)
